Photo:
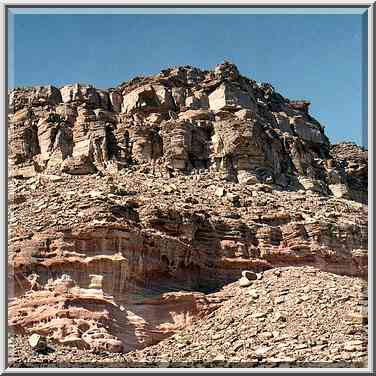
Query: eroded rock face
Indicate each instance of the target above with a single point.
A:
(150, 98)
(230, 97)
(55, 137)
(87, 318)
(180, 181)
(116, 99)
(85, 93)
(36, 96)
(353, 160)
(185, 119)
(185, 145)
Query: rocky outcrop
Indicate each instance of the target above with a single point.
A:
(87, 318)
(34, 97)
(230, 97)
(150, 98)
(185, 118)
(352, 160)
(288, 317)
(178, 181)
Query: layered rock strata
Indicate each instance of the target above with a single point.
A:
(174, 182)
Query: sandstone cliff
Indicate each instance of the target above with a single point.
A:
(166, 183)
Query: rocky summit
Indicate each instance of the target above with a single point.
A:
(191, 216)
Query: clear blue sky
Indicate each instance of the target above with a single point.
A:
(304, 56)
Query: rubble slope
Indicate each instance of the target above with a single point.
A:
(289, 317)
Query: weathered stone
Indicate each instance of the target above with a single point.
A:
(354, 346)
(38, 342)
(197, 101)
(150, 98)
(78, 166)
(179, 94)
(283, 122)
(307, 131)
(339, 190)
(147, 143)
(300, 105)
(220, 192)
(67, 112)
(49, 94)
(183, 197)
(23, 171)
(313, 185)
(229, 97)
(249, 275)
(197, 115)
(357, 318)
(55, 136)
(79, 92)
(36, 97)
(244, 114)
(104, 99)
(227, 70)
(247, 178)
(244, 282)
(116, 100)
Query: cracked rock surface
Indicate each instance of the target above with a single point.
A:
(133, 211)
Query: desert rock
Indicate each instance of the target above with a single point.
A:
(133, 211)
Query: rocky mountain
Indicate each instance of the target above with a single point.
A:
(129, 208)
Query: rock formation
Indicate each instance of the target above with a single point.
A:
(121, 199)
(289, 317)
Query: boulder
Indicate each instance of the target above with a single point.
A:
(79, 92)
(37, 97)
(96, 281)
(47, 94)
(339, 190)
(146, 143)
(199, 100)
(230, 97)
(22, 115)
(313, 185)
(283, 122)
(227, 70)
(300, 105)
(185, 145)
(38, 342)
(24, 171)
(220, 192)
(148, 98)
(307, 130)
(241, 145)
(23, 140)
(70, 93)
(247, 178)
(244, 282)
(67, 112)
(99, 338)
(55, 136)
(252, 276)
(104, 99)
(78, 166)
